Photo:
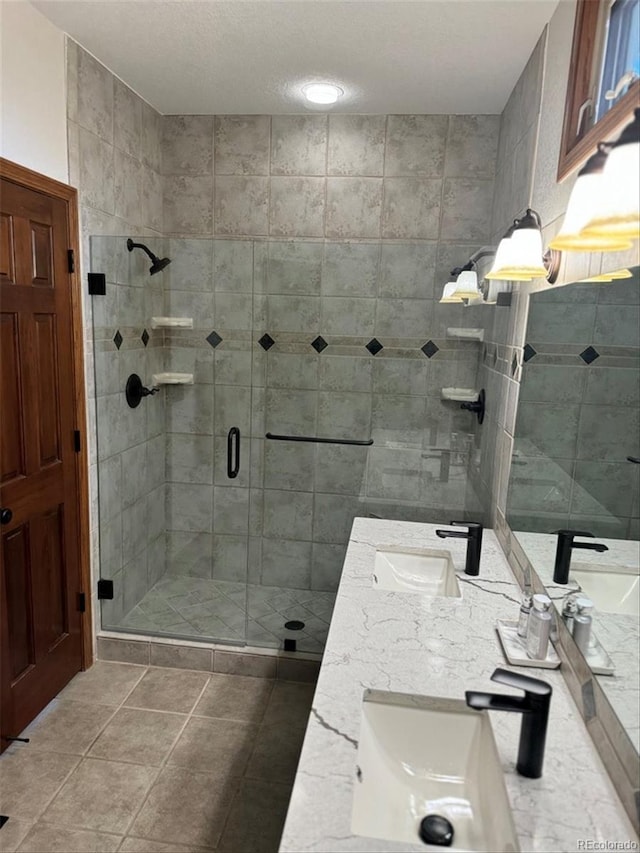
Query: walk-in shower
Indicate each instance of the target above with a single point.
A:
(300, 386)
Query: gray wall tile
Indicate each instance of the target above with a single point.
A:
(187, 145)
(241, 205)
(242, 145)
(416, 145)
(472, 146)
(350, 269)
(296, 207)
(466, 206)
(188, 204)
(411, 208)
(353, 207)
(356, 145)
(298, 145)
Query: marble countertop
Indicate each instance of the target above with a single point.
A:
(437, 647)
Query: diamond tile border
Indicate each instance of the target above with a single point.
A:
(117, 339)
(528, 352)
(374, 346)
(266, 341)
(214, 339)
(430, 349)
(589, 355)
(319, 344)
(144, 337)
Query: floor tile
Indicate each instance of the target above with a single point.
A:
(144, 845)
(45, 838)
(12, 834)
(168, 690)
(142, 737)
(289, 704)
(29, 780)
(105, 683)
(101, 795)
(235, 697)
(276, 754)
(257, 818)
(186, 808)
(66, 726)
(209, 744)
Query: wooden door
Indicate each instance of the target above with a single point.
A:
(40, 578)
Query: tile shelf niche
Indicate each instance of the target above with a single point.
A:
(172, 322)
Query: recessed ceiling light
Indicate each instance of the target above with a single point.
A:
(322, 93)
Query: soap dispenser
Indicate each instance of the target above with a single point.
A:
(539, 628)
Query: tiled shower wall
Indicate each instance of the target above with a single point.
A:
(354, 223)
(114, 140)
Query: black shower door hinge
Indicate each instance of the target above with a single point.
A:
(105, 589)
(82, 602)
(71, 260)
(77, 444)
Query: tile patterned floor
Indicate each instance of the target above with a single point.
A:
(219, 610)
(147, 760)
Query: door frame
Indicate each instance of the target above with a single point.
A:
(55, 189)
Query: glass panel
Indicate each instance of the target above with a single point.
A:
(323, 309)
(621, 57)
(173, 522)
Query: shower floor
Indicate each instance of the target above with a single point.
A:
(218, 610)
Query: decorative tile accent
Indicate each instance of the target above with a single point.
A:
(374, 346)
(214, 339)
(144, 337)
(320, 344)
(266, 341)
(117, 339)
(514, 365)
(589, 354)
(429, 349)
(588, 700)
(528, 352)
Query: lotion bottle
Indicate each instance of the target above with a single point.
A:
(525, 610)
(582, 622)
(539, 628)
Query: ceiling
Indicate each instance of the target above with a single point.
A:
(253, 56)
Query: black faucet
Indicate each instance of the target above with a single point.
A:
(474, 542)
(534, 707)
(564, 551)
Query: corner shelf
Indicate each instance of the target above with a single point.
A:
(172, 322)
(172, 379)
(466, 334)
(460, 395)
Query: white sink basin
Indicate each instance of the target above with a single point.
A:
(419, 756)
(415, 570)
(612, 590)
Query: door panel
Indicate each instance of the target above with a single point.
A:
(15, 554)
(39, 557)
(12, 415)
(41, 255)
(45, 363)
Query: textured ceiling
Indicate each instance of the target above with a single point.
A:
(252, 56)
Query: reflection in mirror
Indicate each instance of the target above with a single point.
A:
(575, 467)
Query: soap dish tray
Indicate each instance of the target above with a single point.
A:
(598, 658)
(515, 649)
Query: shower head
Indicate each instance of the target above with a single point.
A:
(157, 264)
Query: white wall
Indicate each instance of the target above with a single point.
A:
(33, 112)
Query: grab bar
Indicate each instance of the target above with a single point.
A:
(317, 440)
(233, 464)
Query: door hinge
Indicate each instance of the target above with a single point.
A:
(77, 445)
(82, 602)
(105, 589)
(71, 260)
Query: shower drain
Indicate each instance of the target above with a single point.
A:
(294, 625)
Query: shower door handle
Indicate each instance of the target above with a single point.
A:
(233, 453)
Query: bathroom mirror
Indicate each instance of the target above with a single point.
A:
(575, 465)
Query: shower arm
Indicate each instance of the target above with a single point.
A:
(131, 246)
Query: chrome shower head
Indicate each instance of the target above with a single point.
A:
(157, 264)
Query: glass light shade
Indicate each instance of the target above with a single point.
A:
(474, 300)
(526, 255)
(448, 293)
(322, 93)
(608, 276)
(618, 214)
(467, 285)
(505, 264)
(586, 198)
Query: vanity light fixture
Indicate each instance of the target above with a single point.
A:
(618, 213)
(520, 256)
(586, 198)
(322, 93)
(448, 293)
(608, 277)
(466, 283)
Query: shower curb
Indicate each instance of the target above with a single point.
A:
(258, 663)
